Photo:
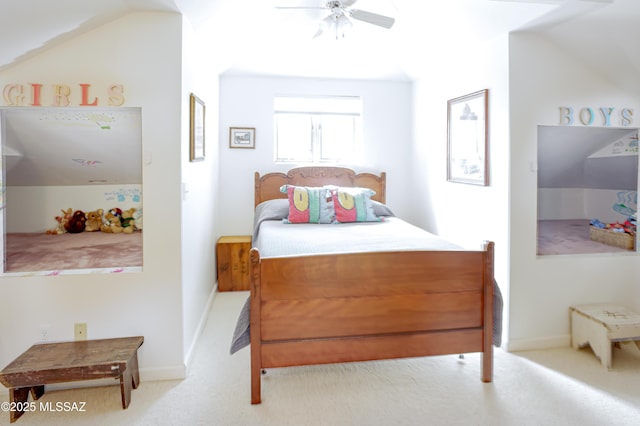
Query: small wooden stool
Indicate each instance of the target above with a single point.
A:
(49, 363)
(601, 325)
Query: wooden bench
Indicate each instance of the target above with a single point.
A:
(602, 325)
(49, 363)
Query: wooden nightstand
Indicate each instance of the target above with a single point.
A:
(232, 254)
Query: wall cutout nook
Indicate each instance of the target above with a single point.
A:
(587, 190)
(72, 190)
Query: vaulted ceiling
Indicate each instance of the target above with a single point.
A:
(260, 38)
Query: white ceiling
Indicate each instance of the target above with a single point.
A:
(261, 39)
(267, 40)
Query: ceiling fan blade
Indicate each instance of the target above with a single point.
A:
(300, 7)
(372, 18)
(348, 3)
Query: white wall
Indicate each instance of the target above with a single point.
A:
(33, 208)
(465, 214)
(248, 102)
(542, 78)
(141, 51)
(561, 203)
(579, 203)
(200, 181)
(599, 204)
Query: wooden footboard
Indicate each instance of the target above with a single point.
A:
(368, 306)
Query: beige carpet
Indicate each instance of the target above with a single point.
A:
(552, 387)
(30, 252)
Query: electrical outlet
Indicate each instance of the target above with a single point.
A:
(80, 331)
(44, 332)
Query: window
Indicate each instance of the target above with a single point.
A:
(318, 130)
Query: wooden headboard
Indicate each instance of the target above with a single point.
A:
(267, 187)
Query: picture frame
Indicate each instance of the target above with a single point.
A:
(242, 137)
(196, 133)
(467, 139)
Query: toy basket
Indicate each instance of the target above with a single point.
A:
(617, 239)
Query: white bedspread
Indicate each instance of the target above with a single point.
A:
(392, 234)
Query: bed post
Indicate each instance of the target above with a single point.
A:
(256, 351)
(383, 187)
(487, 351)
(256, 189)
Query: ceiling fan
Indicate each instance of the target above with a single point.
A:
(340, 12)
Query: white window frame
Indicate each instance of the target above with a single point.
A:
(318, 109)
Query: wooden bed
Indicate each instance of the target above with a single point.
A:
(365, 306)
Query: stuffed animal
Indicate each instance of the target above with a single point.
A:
(128, 221)
(111, 222)
(94, 221)
(62, 221)
(76, 223)
(138, 219)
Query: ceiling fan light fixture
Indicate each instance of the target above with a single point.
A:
(343, 25)
(324, 25)
(339, 22)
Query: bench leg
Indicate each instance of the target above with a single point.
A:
(17, 396)
(21, 395)
(135, 373)
(37, 392)
(602, 347)
(130, 378)
(125, 388)
(585, 331)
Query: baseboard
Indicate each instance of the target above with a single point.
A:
(515, 345)
(201, 325)
(178, 372)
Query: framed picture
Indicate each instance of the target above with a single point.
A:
(242, 137)
(196, 133)
(467, 134)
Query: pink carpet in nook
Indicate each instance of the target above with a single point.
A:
(32, 252)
